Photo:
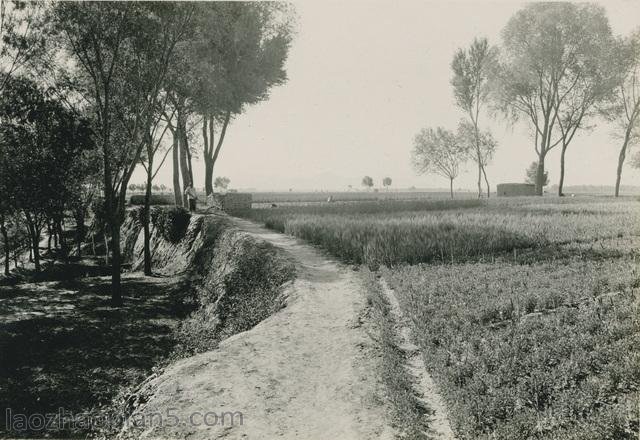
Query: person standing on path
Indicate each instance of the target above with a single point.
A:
(191, 194)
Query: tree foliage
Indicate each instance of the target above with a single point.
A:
(367, 182)
(222, 182)
(532, 172)
(235, 55)
(555, 69)
(439, 152)
(121, 52)
(44, 152)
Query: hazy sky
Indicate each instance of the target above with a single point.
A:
(364, 78)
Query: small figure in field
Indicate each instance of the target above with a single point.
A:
(330, 199)
(192, 196)
(273, 205)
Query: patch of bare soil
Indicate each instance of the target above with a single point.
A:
(306, 372)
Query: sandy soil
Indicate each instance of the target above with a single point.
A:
(307, 372)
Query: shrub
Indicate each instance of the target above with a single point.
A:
(156, 199)
(172, 223)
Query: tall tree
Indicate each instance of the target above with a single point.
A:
(472, 69)
(123, 51)
(439, 152)
(237, 55)
(554, 72)
(367, 182)
(623, 107)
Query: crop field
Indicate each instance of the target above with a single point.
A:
(527, 310)
(393, 232)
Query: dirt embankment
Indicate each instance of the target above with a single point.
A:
(307, 371)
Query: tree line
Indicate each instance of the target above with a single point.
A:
(559, 70)
(90, 90)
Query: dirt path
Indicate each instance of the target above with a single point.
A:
(307, 372)
(424, 384)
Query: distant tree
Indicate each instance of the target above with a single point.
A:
(472, 69)
(386, 182)
(623, 107)
(367, 182)
(222, 182)
(532, 172)
(439, 152)
(556, 68)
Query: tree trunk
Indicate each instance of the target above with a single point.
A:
(80, 230)
(35, 245)
(540, 175)
(208, 176)
(116, 285)
(50, 234)
(177, 191)
(145, 221)
(486, 181)
(106, 249)
(451, 187)
(184, 168)
(561, 182)
(621, 158)
(7, 250)
(479, 180)
(63, 243)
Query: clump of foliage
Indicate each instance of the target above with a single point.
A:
(171, 223)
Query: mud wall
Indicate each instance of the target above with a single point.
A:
(230, 202)
(515, 189)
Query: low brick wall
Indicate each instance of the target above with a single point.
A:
(515, 189)
(230, 202)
